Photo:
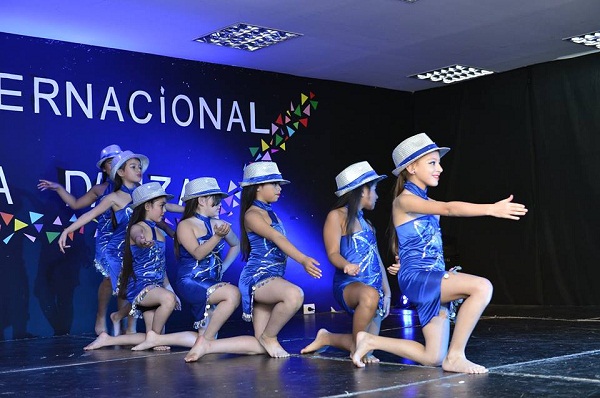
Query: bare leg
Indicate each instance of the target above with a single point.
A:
(104, 295)
(105, 340)
(436, 334)
(227, 298)
(478, 293)
(274, 304)
(117, 316)
(373, 328)
(248, 345)
(152, 340)
(165, 300)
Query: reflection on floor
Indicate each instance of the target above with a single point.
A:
(530, 351)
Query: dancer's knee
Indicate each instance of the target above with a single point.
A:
(485, 289)
(369, 299)
(295, 297)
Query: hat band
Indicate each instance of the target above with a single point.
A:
(360, 180)
(268, 177)
(417, 154)
(205, 193)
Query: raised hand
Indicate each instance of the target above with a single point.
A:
(507, 209)
(45, 184)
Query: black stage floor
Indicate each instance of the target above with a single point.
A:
(530, 352)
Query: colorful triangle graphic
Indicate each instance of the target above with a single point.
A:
(303, 98)
(38, 227)
(6, 217)
(264, 145)
(267, 156)
(253, 150)
(232, 186)
(314, 104)
(307, 110)
(7, 239)
(279, 121)
(304, 121)
(282, 146)
(57, 221)
(274, 128)
(19, 224)
(73, 218)
(71, 235)
(290, 131)
(31, 238)
(81, 230)
(298, 112)
(33, 216)
(278, 139)
(51, 236)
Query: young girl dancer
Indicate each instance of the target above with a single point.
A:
(422, 277)
(126, 172)
(268, 300)
(200, 235)
(103, 229)
(360, 284)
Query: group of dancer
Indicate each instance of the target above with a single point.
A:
(130, 252)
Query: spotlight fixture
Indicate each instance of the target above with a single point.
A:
(247, 37)
(588, 39)
(452, 74)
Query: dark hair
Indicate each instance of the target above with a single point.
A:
(398, 188)
(248, 196)
(139, 214)
(351, 200)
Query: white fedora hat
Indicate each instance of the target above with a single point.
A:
(354, 176)
(261, 173)
(202, 186)
(120, 159)
(107, 153)
(146, 192)
(412, 149)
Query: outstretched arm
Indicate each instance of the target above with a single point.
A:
(256, 222)
(75, 203)
(502, 209)
(234, 249)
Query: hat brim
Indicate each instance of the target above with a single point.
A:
(441, 150)
(353, 187)
(280, 181)
(143, 160)
(167, 196)
(200, 194)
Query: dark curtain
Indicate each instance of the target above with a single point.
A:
(533, 133)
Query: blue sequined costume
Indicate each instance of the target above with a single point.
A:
(198, 279)
(116, 244)
(149, 269)
(359, 248)
(422, 265)
(265, 262)
(104, 231)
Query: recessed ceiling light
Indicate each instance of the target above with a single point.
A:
(247, 37)
(588, 39)
(452, 74)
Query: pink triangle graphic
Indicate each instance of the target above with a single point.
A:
(274, 128)
(57, 221)
(267, 156)
(274, 150)
(307, 110)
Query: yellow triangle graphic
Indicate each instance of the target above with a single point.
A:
(282, 146)
(19, 225)
(303, 98)
(264, 145)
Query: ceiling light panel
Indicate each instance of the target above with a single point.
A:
(452, 74)
(588, 39)
(247, 37)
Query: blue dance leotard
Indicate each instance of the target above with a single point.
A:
(104, 231)
(359, 248)
(422, 265)
(149, 264)
(265, 262)
(198, 279)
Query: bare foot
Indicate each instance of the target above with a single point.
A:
(115, 318)
(362, 348)
(462, 365)
(100, 324)
(102, 340)
(370, 358)
(198, 349)
(321, 341)
(151, 341)
(274, 349)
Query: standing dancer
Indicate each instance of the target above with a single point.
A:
(126, 172)
(268, 300)
(360, 283)
(103, 229)
(422, 277)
